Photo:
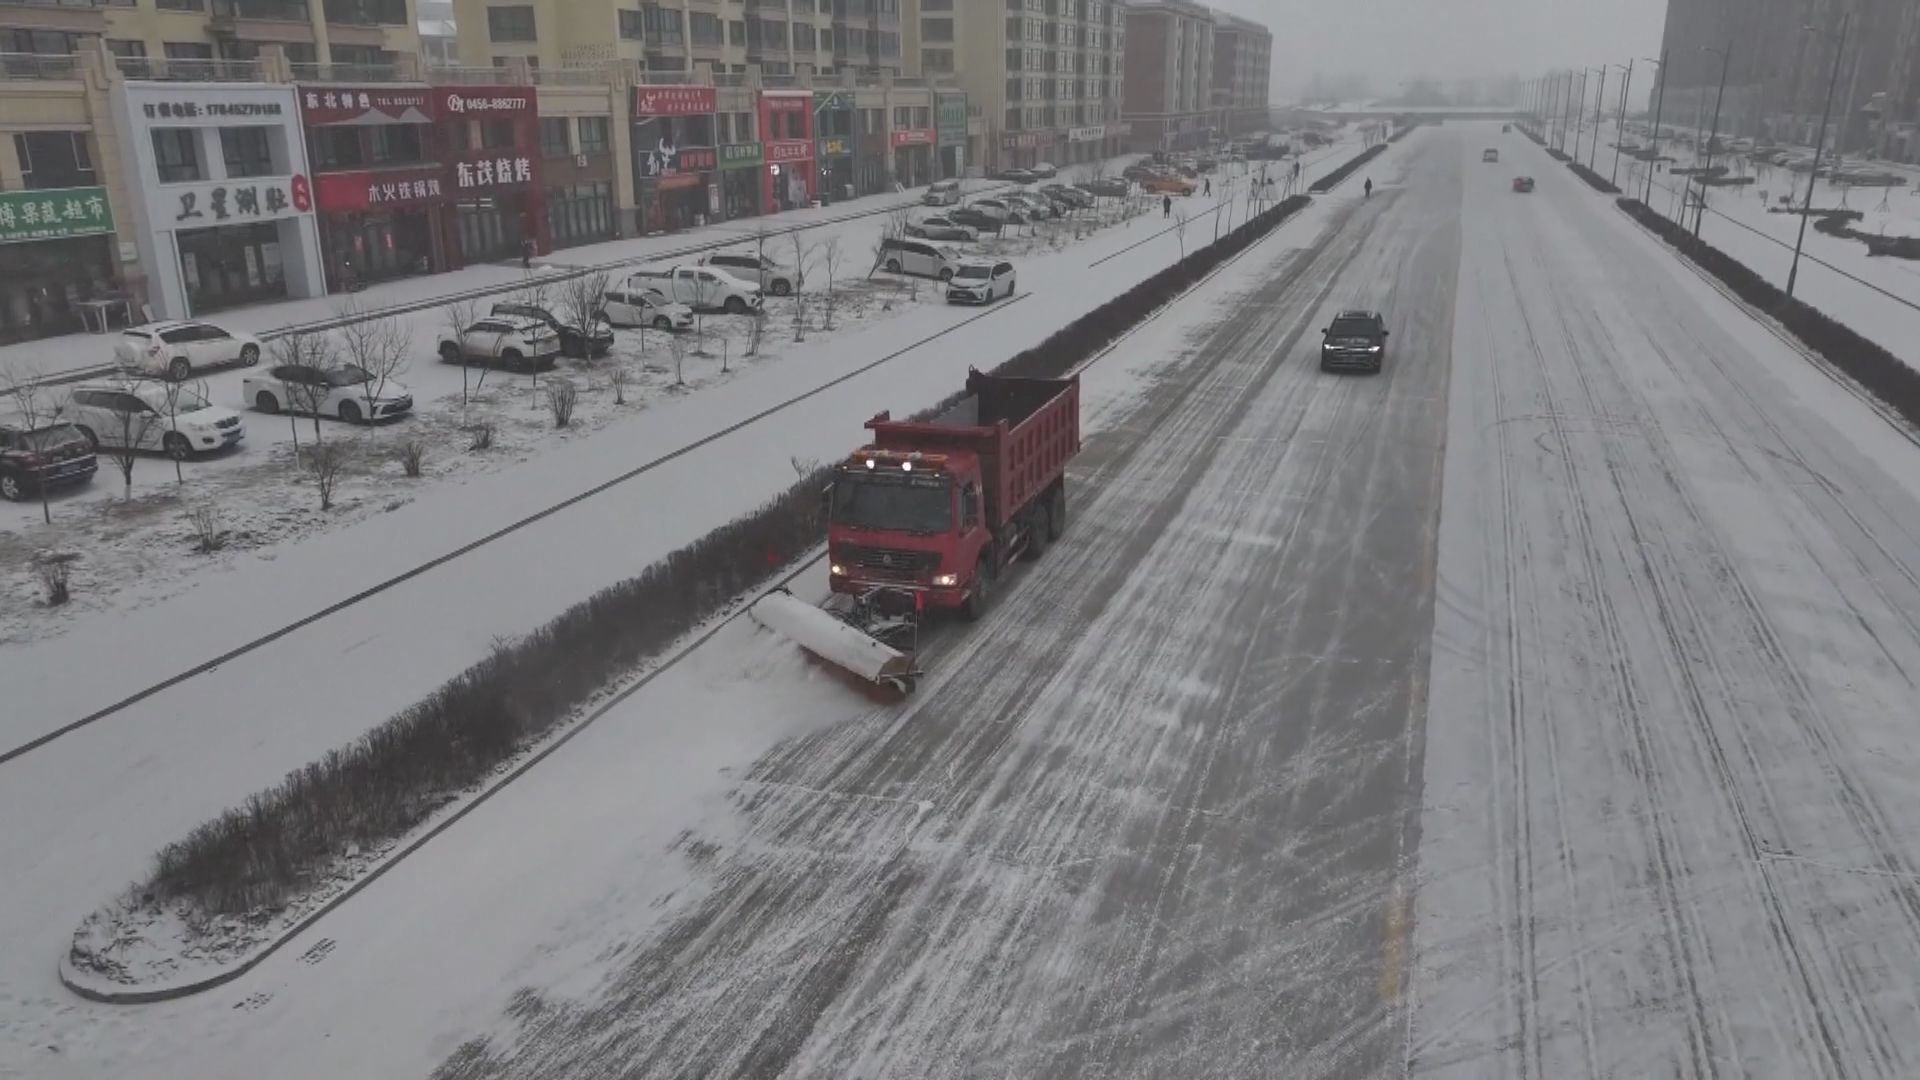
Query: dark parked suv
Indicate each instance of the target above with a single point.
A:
(1357, 341)
(43, 458)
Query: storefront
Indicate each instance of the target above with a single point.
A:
(950, 135)
(833, 156)
(674, 156)
(490, 140)
(56, 251)
(380, 194)
(582, 213)
(788, 180)
(226, 214)
(1022, 150)
(912, 156)
(1086, 143)
(740, 180)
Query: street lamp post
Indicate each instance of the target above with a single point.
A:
(1659, 103)
(1706, 173)
(1599, 96)
(1819, 143)
(1620, 127)
(1566, 117)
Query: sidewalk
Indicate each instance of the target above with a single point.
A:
(72, 354)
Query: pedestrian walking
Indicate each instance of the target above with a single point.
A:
(1166, 206)
(1208, 190)
(526, 251)
(1369, 187)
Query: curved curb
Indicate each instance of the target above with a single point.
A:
(83, 986)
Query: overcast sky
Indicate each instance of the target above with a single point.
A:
(1390, 40)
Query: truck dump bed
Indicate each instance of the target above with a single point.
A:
(1023, 430)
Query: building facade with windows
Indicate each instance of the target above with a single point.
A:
(1242, 67)
(224, 210)
(1168, 90)
(1045, 74)
(65, 236)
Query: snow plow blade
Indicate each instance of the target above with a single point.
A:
(836, 642)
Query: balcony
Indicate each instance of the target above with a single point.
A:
(349, 73)
(191, 69)
(29, 66)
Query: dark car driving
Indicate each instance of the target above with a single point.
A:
(44, 458)
(1357, 341)
(596, 342)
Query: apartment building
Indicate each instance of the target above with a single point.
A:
(1242, 65)
(1167, 94)
(189, 38)
(1044, 74)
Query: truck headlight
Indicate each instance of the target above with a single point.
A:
(946, 581)
(837, 570)
(1373, 348)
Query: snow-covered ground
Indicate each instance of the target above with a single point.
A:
(90, 808)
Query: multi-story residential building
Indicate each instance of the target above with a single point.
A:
(184, 38)
(1045, 74)
(1168, 90)
(439, 34)
(1242, 65)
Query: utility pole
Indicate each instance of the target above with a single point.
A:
(1819, 143)
(1599, 96)
(1620, 127)
(1659, 103)
(1706, 173)
(1566, 116)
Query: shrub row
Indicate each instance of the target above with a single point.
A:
(1883, 374)
(1594, 180)
(1327, 182)
(1559, 155)
(257, 856)
(1405, 130)
(1537, 140)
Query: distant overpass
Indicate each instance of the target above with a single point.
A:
(1372, 111)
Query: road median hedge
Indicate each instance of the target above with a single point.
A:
(1883, 374)
(1331, 180)
(255, 858)
(1594, 180)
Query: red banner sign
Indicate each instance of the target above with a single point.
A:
(789, 150)
(913, 137)
(484, 102)
(324, 105)
(367, 190)
(786, 102)
(674, 100)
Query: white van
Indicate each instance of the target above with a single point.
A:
(943, 193)
(918, 258)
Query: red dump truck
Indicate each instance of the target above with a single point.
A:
(927, 515)
(937, 508)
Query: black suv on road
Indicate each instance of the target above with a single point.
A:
(1357, 341)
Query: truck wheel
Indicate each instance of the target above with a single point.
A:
(1039, 531)
(981, 597)
(1057, 513)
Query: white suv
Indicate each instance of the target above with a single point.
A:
(139, 414)
(178, 349)
(751, 267)
(519, 342)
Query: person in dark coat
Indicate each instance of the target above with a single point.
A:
(1166, 206)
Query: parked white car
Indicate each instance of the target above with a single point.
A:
(630, 305)
(751, 266)
(1032, 207)
(350, 393)
(702, 288)
(138, 413)
(178, 349)
(993, 208)
(941, 227)
(981, 281)
(918, 258)
(513, 341)
(942, 193)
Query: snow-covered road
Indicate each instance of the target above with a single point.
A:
(1541, 708)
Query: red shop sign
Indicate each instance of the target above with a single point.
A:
(790, 150)
(696, 159)
(786, 102)
(913, 137)
(674, 100)
(484, 102)
(323, 105)
(367, 190)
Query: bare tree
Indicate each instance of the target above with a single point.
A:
(893, 228)
(25, 386)
(620, 376)
(179, 395)
(208, 536)
(562, 395)
(324, 462)
(377, 346)
(480, 437)
(314, 349)
(581, 301)
(131, 429)
(830, 255)
(413, 456)
(756, 329)
(1180, 220)
(458, 317)
(678, 346)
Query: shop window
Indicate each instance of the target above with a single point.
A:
(247, 151)
(336, 147)
(40, 42)
(129, 55)
(397, 144)
(630, 25)
(554, 140)
(596, 136)
(182, 5)
(176, 155)
(497, 134)
(54, 159)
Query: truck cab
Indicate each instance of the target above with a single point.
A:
(933, 509)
